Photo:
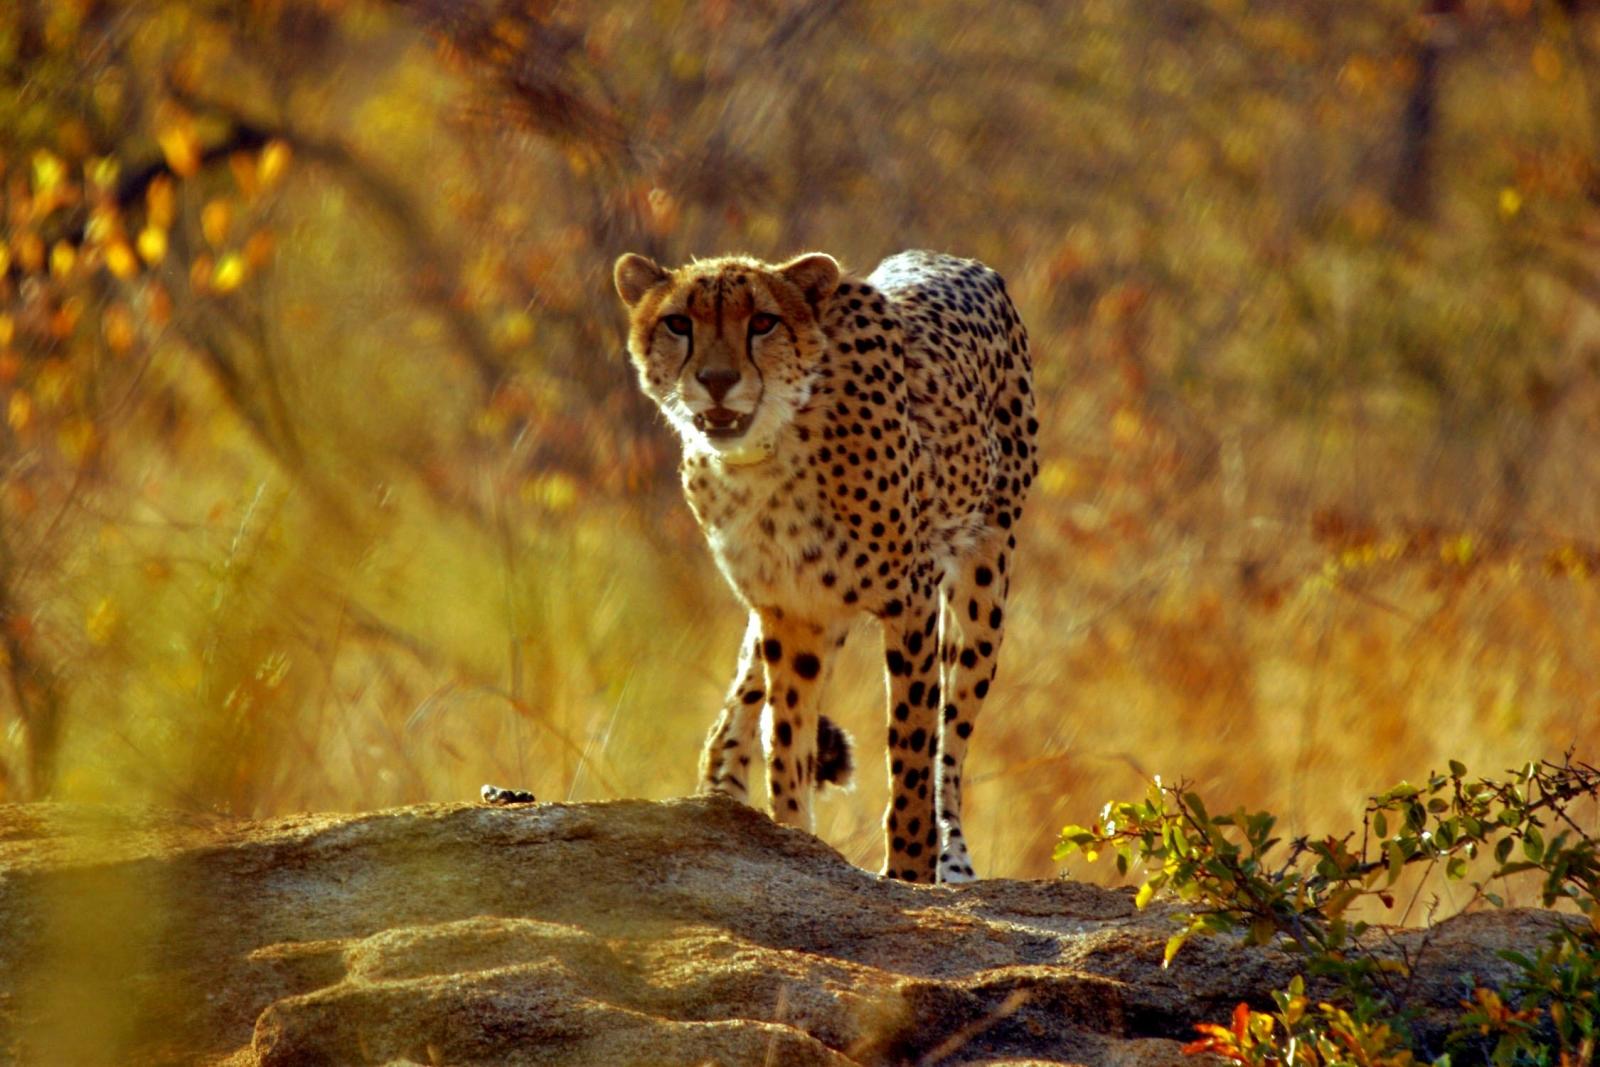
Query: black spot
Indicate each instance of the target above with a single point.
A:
(785, 734)
(753, 696)
(964, 729)
(983, 575)
(807, 665)
(969, 658)
(772, 648)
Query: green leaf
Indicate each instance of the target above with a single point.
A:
(1458, 769)
(1380, 825)
(1395, 860)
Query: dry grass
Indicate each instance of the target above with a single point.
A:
(1318, 508)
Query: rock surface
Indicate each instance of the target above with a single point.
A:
(685, 932)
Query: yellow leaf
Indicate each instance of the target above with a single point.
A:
(19, 412)
(1510, 202)
(100, 623)
(1058, 477)
(152, 245)
(179, 144)
(514, 329)
(275, 159)
(161, 202)
(556, 492)
(52, 381)
(215, 219)
(63, 257)
(118, 327)
(1126, 427)
(1174, 943)
(230, 273)
(48, 173)
(120, 260)
(1144, 895)
(102, 225)
(30, 251)
(200, 271)
(243, 166)
(101, 171)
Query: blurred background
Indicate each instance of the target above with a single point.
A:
(325, 483)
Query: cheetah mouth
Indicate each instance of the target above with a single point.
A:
(722, 424)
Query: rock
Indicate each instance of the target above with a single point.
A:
(687, 932)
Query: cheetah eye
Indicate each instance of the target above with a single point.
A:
(678, 324)
(761, 323)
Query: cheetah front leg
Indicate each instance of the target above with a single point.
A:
(910, 642)
(725, 761)
(792, 652)
(974, 622)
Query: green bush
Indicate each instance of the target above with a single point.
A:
(1238, 876)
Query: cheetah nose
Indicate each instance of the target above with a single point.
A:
(717, 380)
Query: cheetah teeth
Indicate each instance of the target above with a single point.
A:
(722, 423)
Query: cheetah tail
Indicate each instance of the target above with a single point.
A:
(835, 754)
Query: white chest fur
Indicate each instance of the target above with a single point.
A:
(758, 521)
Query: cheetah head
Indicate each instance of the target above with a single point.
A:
(727, 347)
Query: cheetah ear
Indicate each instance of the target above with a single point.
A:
(816, 275)
(636, 275)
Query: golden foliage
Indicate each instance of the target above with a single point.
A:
(309, 305)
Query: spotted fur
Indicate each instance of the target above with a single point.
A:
(850, 446)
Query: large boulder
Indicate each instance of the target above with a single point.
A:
(687, 932)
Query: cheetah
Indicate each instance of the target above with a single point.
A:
(850, 446)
